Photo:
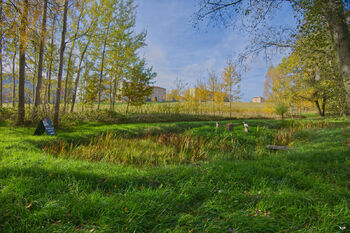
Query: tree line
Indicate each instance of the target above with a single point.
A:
(69, 51)
(216, 89)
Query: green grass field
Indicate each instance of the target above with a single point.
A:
(177, 177)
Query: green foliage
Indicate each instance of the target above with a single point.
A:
(281, 109)
(91, 88)
(136, 88)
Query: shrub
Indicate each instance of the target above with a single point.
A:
(281, 109)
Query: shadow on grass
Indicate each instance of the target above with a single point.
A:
(306, 189)
(300, 190)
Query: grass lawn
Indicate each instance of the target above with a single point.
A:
(233, 185)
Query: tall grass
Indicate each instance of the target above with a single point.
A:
(172, 109)
(156, 149)
(146, 151)
(198, 144)
(289, 128)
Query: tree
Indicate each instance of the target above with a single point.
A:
(51, 53)
(314, 69)
(104, 31)
(136, 87)
(84, 50)
(76, 25)
(270, 78)
(213, 86)
(189, 96)
(180, 86)
(281, 109)
(328, 12)
(22, 61)
(309, 82)
(124, 44)
(202, 93)
(231, 82)
(171, 96)
(102, 40)
(41, 58)
(338, 27)
(60, 66)
(91, 88)
(14, 77)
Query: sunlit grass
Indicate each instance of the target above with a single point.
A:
(238, 186)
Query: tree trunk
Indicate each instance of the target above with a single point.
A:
(102, 66)
(76, 83)
(33, 80)
(60, 67)
(127, 107)
(214, 104)
(22, 62)
(317, 103)
(67, 78)
(14, 79)
(110, 96)
(101, 75)
(51, 60)
(230, 99)
(335, 14)
(324, 100)
(40, 65)
(114, 92)
(69, 63)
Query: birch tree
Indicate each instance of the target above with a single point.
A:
(60, 67)
(231, 83)
(41, 58)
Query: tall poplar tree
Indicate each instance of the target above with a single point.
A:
(60, 66)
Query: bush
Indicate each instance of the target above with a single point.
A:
(281, 109)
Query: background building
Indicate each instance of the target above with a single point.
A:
(158, 94)
(258, 99)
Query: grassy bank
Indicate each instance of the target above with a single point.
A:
(237, 187)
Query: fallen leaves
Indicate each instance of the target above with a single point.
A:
(29, 205)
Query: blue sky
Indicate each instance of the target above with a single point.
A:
(177, 49)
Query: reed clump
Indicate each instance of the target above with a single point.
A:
(146, 151)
